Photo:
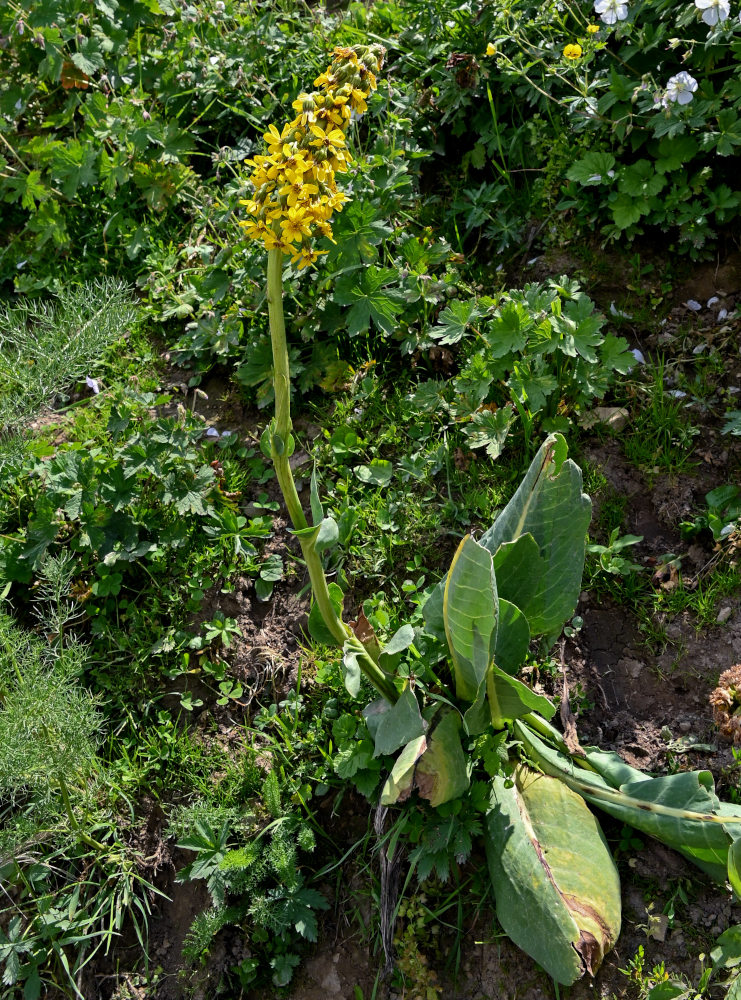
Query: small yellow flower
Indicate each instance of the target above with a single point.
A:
(305, 257)
(333, 115)
(274, 138)
(357, 100)
(491, 49)
(297, 191)
(572, 52)
(295, 225)
(331, 140)
(592, 29)
(274, 242)
(255, 230)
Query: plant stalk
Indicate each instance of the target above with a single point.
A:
(280, 453)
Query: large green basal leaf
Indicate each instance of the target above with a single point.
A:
(518, 567)
(470, 614)
(442, 773)
(513, 638)
(681, 810)
(556, 887)
(548, 505)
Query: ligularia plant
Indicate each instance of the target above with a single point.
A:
(452, 681)
(611, 11)
(295, 196)
(713, 11)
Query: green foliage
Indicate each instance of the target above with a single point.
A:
(47, 346)
(576, 894)
(144, 491)
(255, 882)
(113, 118)
(720, 517)
(610, 560)
(49, 725)
(647, 159)
(540, 354)
(69, 892)
(661, 436)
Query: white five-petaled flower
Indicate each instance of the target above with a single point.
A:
(611, 11)
(713, 10)
(680, 88)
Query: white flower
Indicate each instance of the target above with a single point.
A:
(680, 88)
(611, 11)
(713, 10)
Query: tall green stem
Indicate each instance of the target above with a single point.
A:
(280, 450)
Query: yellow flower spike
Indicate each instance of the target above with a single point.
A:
(295, 193)
(572, 52)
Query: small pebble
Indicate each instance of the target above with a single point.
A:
(723, 615)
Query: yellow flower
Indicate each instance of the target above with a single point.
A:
(331, 140)
(274, 242)
(592, 29)
(274, 138)
(357, 100)
(295, 225)
(255, 230)
(572, 52)
(491, 49)
(306, 257)
(331, 115)
(296, 190)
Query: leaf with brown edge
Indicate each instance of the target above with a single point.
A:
(399, 784)
(555, 883)
(442, 774)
